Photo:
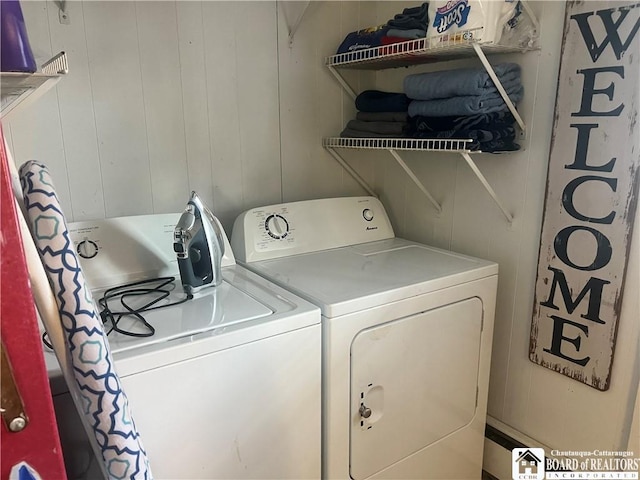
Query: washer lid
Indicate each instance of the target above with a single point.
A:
(349, 279)
(245, 308)
(209, 309)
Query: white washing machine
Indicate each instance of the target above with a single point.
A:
(407, 333)
(228, 387)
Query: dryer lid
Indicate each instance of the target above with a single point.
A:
(348, 279)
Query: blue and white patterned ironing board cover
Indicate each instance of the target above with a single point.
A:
(106, 408)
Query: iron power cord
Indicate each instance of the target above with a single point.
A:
(158, 288)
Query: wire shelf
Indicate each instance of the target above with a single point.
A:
(428, 145)
(422, 50)
(20, 89)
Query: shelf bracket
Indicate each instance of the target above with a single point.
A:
(342, 82)
(294, 28)
(352, 172)
(415, 179)
(498, 84)
(486, 185)
(63, 14)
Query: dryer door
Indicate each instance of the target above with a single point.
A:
(413, 381)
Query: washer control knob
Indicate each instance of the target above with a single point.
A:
(367, 213)
(276, 226)
(87, 248)
(365, 412)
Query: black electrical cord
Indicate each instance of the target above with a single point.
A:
(157, 288)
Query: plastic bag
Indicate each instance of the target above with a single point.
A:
(488, 21)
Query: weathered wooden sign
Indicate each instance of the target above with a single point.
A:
(592, 189)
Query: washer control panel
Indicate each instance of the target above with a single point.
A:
(113, 251)
(302, 227)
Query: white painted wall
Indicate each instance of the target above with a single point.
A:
(165, 97)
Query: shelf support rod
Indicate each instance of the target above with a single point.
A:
(498, 84)
(352, 172)
(415, 179)
(486, 185)
(294, 28)
(342, 82)
(532, 15)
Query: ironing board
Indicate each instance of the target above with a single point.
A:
(105, 408)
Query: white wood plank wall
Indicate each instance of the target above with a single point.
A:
(165, 97)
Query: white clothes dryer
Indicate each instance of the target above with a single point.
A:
(228, 387)
(407, 334)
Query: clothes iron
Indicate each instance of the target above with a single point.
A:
(199, 245)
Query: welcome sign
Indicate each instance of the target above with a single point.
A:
(592, 189)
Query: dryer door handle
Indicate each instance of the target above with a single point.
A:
(365, 411)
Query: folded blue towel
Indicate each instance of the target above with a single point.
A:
(350, 133)
(387, 128)
(455, 83)
(491, 139)
(410, 18)
(377, 101)
(483, 121)
(411, 34)
(466, 105)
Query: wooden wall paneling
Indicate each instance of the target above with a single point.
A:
(36, 131)
(546, 418)
(509, 335)
(77, 115)
(296, 106)
(475, 214)
(334, 180)
(394, 194)
(310, 103)
(355, 16)
(505, 247)
(258, 102)
(163, 108)
(515, 385)
(300, 66)
(437, 173)
(221, 32)
(112, 46)
(195, 99)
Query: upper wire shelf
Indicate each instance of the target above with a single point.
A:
(422, 50)
(19, 89)
(433, 145)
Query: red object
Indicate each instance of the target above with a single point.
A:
(38, 444)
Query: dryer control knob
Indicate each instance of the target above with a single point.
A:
(365, 411)
(367, 213)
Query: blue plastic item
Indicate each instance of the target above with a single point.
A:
(15, 54)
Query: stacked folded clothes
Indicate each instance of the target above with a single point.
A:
(465, 103)
(489, 132)
(380, 115)
(408, 25)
